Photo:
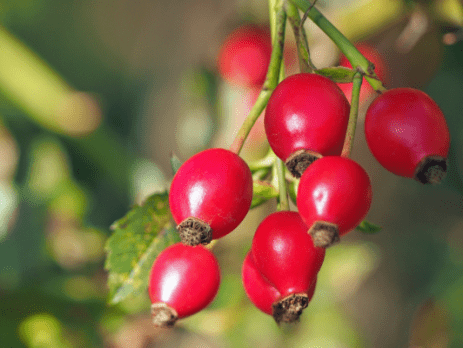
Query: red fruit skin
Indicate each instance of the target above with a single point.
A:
(311, 291)
(214, 186)
(259, 290)
(381, 70)
(261, 293)
(334, 189)
(306, 111)
(404, 125)
(184, 277)
(245, 55)
(284, 253)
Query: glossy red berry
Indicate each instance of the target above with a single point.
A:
(210, 195)
(245, 56)
(381, 70)
(183, 281)
(333, 197)
(284, 253)
(263, 294)
(407, 133)
(259, 290)
(306, 118)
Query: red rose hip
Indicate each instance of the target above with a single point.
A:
(306, 118)
(265, 296)
(183, 281)
(210, 195)
(333, 197)
(285, 255)
(407, 133)
(259, 290)
(245, 56)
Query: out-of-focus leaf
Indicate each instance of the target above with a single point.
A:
(146, 178)
(49, 168)
(137, 239)
(430, 327)
(175, 163)
(41, 93)
(449, 11)
(368, 227)
(42, 330)
(262, 192)
(450, 295)
(338, 74)
(9, 198)
(358, 19)
(70, 202)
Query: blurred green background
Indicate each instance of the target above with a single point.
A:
(95, 95)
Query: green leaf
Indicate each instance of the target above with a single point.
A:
(368, 227)
(262, 192)
(137, 240)
(175, 163)
(338, 74)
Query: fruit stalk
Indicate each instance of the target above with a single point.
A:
(303, 53)
(281, 169)
(354, 108)
(270, 83)
(352, 54)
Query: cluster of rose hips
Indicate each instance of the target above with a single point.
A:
(305, 122)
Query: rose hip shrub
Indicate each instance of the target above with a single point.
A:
(310, 127)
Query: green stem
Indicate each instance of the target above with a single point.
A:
(348, 49)
(303, 53)
(279, 167)
(349, 140)
(270, 83)
(280, 171)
